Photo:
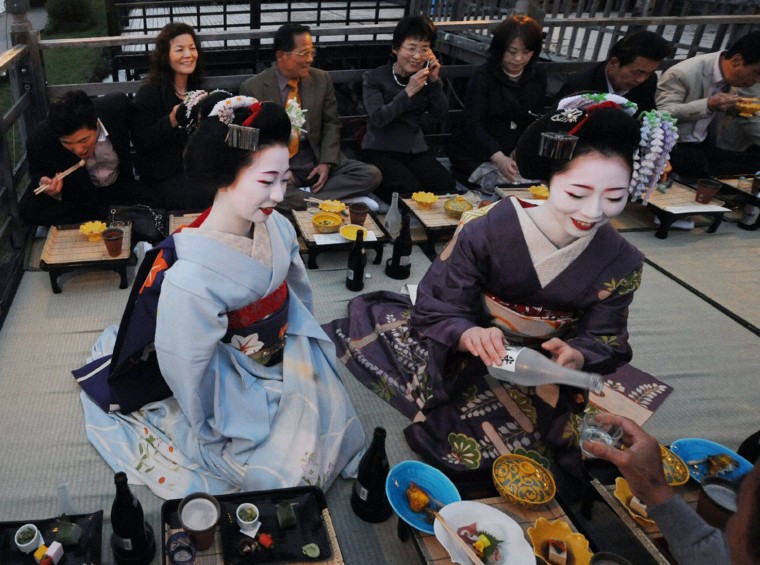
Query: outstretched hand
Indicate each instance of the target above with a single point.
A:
(640, 462)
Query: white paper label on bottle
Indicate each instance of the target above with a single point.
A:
(361, 492)
(349, 274)
(509, 361)
(405, 260)
(123, 543)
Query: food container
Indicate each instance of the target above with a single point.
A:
(92, 230)
(747, 107)
(425, 200)
(539, 191)
(522, 481)
(349, 232)
(456, 206)
(326, 222)
(543, 532)
(334, 206)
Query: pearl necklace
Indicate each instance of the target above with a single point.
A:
(396, 78)
(180, 95)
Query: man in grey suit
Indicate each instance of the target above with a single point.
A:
(318, 161)
(701, 93)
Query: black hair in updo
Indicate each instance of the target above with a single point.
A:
(608, 131)
(211, 164)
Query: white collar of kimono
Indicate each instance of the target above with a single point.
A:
(258, 247)
(547, 259)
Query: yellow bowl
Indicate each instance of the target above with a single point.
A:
(624, 495)
(326, 222)
(748, 107)
(543, 531)
(539, 191)
(456, 206)
(676, 471)
(335, 206)
(425, 199)
(349, 231)
(92, 230)
(522, 481)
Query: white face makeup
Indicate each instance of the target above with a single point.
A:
(585, 196)
(261, 186)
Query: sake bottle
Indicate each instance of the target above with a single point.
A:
(393, 217)
(64, 503)
(357, 259)
(526, 367)
(399, 266)
(368, 499)
(132, 540)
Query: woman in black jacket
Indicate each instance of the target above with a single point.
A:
(503, 97)
(176, 68)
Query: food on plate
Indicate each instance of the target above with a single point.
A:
(484, 544)
(540, 191)
(557, 554)
(311, 550)
(638, 507)
(247, 514)
(265, 541)
(722, 463)
(286, 516)
(418, 498)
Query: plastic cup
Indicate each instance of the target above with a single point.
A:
(593, 429)
(199, 515)
(707, 189)
(113, 237)
(358, 213)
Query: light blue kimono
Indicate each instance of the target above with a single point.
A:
(233, 424)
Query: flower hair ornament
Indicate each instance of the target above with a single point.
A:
(658, 137)
(239, 136)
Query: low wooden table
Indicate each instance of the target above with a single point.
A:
(67, 250)
(306, 230)
(434, 220)
(678, 202)
(432, 552)
(179, 219)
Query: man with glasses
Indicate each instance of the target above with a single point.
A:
(316, 160)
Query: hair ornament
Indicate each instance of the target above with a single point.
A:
(242, 137)
(556, 145)
(658, 137)
(225, 109)
(585, 101)
(187, 114)
(255, 109)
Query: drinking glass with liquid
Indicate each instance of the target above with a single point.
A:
(597, 429)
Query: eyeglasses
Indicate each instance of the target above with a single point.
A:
(305, 53)
(425, 51)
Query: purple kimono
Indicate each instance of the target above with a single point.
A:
(463, 419)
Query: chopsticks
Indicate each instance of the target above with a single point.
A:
(446, 526)
(40, 189)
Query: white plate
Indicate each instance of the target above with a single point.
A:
(515, 549)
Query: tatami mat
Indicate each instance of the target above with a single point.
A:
(707, 357)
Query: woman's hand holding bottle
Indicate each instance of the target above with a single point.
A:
(486, 343)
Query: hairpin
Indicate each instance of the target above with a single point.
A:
(557, 145)
(242, 137)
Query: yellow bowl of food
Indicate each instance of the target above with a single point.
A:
(92, 230)
(326, 222)
(552, 540)
(539, 191)
(522, 480)
(425, 199)
(335, 206)
(633, 505)
(455, 207)
(747, 107)
(349, 231)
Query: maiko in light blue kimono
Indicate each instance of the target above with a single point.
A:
(233, 422)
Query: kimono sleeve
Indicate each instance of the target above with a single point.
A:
(297, 279)
(602, 332)
(189, 328)
(449, 296)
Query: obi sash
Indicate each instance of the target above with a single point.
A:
(526, 325)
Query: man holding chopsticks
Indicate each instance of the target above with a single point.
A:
(79, 161)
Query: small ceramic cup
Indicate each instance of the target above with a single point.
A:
(247, 515)
(28, 538)
(199, 515)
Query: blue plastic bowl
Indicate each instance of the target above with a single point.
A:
(696, 449)
(430, 479)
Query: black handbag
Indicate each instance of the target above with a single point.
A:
(148, 224)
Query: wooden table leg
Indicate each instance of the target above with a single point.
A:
(666, 220)
(717, 219)
(122, 271)
(378, 247)
(54, 274)
(312, 258)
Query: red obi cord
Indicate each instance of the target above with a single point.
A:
(258, 310)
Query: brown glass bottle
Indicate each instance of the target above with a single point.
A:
(132, 540)
(368, 499)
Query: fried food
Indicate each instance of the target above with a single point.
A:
(418, 498)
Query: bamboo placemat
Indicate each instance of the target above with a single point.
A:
(66, 245)
(681, 195)
(434, 553)
(433, 217)
(741, 183)
(303, 219)
(214, 555)
(176, 221)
